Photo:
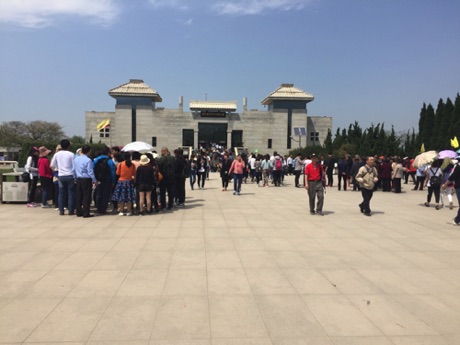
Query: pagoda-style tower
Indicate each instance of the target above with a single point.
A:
(134, 95)
(291, 99)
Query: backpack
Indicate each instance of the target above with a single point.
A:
(102, 169)
(435, 180)
(278, 164)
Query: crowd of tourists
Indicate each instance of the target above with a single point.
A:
(147, 183)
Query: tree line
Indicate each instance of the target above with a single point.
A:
(435, 129)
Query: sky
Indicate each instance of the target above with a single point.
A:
(366, 61)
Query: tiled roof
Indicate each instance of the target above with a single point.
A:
(135, 88)
(205, 105)
(288, 92)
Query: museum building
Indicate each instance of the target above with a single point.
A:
(283, 126)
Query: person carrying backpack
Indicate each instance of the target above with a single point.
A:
(433, 182)
(104, 170)
(277, 170)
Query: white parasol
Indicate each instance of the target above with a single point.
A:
(138, 146)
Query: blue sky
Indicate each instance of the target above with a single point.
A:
(366, 61)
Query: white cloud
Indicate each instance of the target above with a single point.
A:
(175, 4)
(36, 14)
(252, 7)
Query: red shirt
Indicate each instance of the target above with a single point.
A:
(313, 173)
(44, 168)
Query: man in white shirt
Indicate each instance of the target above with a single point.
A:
(63, 162)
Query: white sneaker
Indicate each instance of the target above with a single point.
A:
(121, 214)
(453, 222)
(129, 214)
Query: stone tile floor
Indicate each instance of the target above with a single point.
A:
(254, 269)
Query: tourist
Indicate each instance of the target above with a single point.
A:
(124, 190)
(84, 173)
(447, 168)
(224, 171)
(277, 169)
(266, 167)
(179, 177)
(104, 169)
(145, 183)
(367, 177)
(192, 171)
(32, 168)
(167, 168)
(420, 175)
(63, 162)
(298, 166)
(237, 168)
(202, 167)
(46, 175)
(329, 164)
(314, 176)
(397, 175)
(357, 163)
(385, 175)
(342, 166)
(433, 182)
(454, 181)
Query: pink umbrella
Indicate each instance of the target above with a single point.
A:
(447, 153)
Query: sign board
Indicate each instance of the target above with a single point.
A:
(208, 113)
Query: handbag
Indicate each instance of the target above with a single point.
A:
(159, 176)
(25, 176)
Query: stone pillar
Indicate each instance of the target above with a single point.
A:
(229, 139)
(195, 139)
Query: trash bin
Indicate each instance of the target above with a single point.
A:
(13, 188)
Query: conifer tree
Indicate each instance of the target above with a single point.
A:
(427, 132)
(439, 123)
(455, 127)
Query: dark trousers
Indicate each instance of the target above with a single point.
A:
(343, 178)
(419, 183)
(103, 190)
(297, 174)
(386, 184)
(84, 189)
(154, 198)
(224, 180)
(437, 193)
(47, 187)
(201, 178)
(330, 178)
(367, 196)
(397, 185)
(33, 188)
(277, 177)
(180, 190)
(167, 187)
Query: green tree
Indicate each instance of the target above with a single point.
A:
(439, 124)
(328, 141)
(16, 133)
(456, 118)
(447, 130)
(427, 133)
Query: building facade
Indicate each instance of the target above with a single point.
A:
(138, 118)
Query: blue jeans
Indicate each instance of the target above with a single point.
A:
(67, 190)
(237, 179)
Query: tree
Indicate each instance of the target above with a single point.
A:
(45, 131)
(327, 142)
(16, 133)
(456, 117)
(13, 133)
(439, 125)
(427, 131)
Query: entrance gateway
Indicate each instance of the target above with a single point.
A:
(213, 124)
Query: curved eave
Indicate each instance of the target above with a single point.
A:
(270, 100)
(155, 98)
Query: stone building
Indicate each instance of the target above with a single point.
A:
(138, 118)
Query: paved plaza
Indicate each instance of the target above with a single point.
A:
(255, 269)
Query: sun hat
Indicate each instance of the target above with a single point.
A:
(144, 160)
(43, 151)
